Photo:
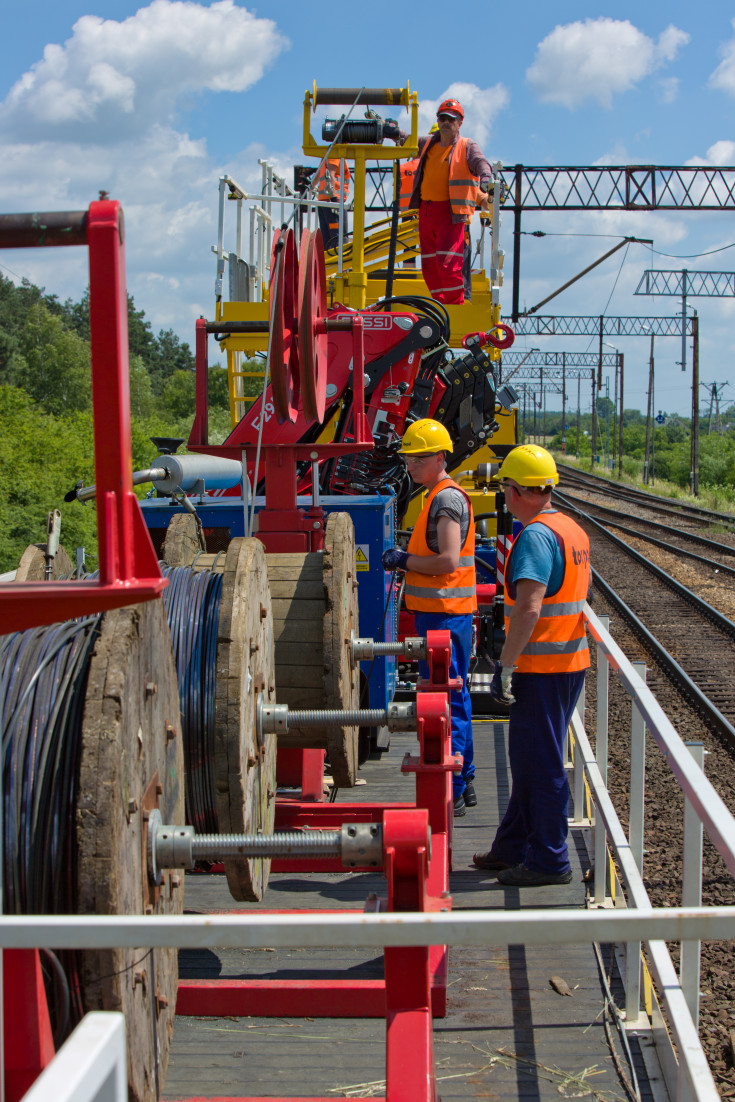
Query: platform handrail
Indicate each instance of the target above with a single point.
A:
(90, 1066)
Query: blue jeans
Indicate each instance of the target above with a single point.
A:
(534, 829)
(460, 628)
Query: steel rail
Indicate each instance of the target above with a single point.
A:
(717, 618)
(647, 498)
(703, 541)
(682, 514)
(680, 678)
(718, 566)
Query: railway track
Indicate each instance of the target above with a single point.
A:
(689, 651)
(672, 507)
(680, 630)
(675, 538)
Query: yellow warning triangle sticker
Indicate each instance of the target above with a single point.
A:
(360, 555)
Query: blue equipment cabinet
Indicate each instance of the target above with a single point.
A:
(373, 517)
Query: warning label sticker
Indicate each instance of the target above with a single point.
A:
(362, 557)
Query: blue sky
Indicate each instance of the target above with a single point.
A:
(154, 102)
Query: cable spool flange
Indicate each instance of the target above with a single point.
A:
(32, 565)
(314, 597)
(236, 779)
(131, 762)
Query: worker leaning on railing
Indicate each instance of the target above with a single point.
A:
(540, 672)
(451, 177)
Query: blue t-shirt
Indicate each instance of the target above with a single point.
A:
(537, 557)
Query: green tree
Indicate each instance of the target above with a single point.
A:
(56, 368)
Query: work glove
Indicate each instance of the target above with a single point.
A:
(395, 559)
(500, 685)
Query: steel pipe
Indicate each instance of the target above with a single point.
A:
(29, 231)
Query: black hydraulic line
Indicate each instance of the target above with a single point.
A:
(192, 601)
(392, 248)
(703, 541)
(660, 543)
(722, 622)
(679, 676)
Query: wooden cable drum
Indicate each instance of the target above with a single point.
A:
(314, 598)
(132, 762)
(91, 737)
(32, 565)
(239, 782)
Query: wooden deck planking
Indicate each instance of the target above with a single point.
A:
(507, 1035)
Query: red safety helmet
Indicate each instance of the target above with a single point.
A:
(451, 107)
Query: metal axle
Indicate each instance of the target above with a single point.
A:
(179, 847)
(362, 649)
(278, 719)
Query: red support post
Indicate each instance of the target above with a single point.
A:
(28, 1042)
(128, 567)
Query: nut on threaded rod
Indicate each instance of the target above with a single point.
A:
(169, 847)
(364, 649)
(278, 719)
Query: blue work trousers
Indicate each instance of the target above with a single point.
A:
(460, 706)
(534, 829)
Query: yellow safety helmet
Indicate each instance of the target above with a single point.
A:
(426, 437)
(433, 129)
(529, 465)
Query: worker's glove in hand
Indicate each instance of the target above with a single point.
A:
(395, 559)
(500, 685)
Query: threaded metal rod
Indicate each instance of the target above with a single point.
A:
(317, 843)
(347, 717)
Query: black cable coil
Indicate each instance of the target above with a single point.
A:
(43, 686)
(192, 602)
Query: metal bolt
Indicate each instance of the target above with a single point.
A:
(171, 732)
(151, 688)
(132, 807)
(161, 1002)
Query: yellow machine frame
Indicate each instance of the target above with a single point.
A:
(355, 284)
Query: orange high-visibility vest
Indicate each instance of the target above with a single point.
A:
(558, 642)
(463, 185)
(408, 172)
(452, 593)
(328, 181)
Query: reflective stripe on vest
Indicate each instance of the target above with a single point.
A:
(558, 642)
(328, 181)
(462, 184)
(408, 172)
(452, 593)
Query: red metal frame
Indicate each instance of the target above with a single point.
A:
(128, 567)
(404, 997)
(27, 1038)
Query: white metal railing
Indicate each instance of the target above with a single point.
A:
(690, 1078)
(90, 1067)
(275, 193)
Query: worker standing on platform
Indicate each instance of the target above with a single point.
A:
(452, 176)
(440, 578)
(329, 190)
(540, 672)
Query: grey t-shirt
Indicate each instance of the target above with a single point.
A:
(451, 503)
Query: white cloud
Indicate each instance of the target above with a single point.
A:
(122, 77)
(481, 108)
(724, 75)
(722, 153)
(597, 59)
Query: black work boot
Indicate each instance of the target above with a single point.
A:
(470, 796)
(460, 807)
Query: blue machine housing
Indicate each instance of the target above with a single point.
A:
(373, 517)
